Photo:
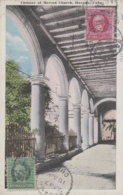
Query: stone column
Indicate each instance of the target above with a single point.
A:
(38, 114)
(85, 143)
(77, 123)
(91, 129)
(81, 128)
(63, 120)
(100, 127)
(95, 130)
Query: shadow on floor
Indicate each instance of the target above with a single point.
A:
(108, 142)
(111, 176)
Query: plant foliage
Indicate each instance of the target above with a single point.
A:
(18, 91)
(111, 127)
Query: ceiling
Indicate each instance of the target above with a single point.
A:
(93, 62)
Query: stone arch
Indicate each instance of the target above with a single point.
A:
(57, 63)
(74, 84)
(91, 105)
(104, 100)
(27, 32)
(85, 100)
(75, 110)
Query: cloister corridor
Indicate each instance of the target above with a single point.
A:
(75, 128)
(92, 169)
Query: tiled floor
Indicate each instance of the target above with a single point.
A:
(92, 169)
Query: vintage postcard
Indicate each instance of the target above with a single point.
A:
(61, 78)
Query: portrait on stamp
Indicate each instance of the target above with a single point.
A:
(100, 24)
(20, 173)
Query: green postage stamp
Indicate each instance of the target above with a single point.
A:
(21, 173)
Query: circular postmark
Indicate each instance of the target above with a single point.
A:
(104, 39)
(56, 181)
(20, 171)
(106, 50)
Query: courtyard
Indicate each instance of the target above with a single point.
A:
(92, 169)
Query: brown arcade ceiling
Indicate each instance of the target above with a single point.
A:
(93, 62)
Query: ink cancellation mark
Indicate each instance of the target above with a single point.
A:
(21, 173)
(56, 181)
(99, 24)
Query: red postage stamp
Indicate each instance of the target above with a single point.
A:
(99, 24)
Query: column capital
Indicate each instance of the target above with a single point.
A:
(91, 114)
(76, 106)
(63, 97)
(38, 79)
(85, 111)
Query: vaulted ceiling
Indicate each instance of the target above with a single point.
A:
(93, 62)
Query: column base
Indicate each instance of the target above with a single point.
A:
(85, 147)
(39, 156)
(96, 142)
(65, 150)
(79, 147)
(91, 144)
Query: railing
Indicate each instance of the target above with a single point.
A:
(72, 142)
(20, 148)
(19, 143)
(53, 145)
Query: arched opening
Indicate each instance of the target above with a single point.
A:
(85, 120)
(58, 87)
(109, 125)
(16, 49)
(91, 123)
(104, 100)
(28, 34)
(85, 100)
(104, 108)
(52, 114)
(73, 106)
(24, 59)
(18, 67)
(36, 89)
(55, 61)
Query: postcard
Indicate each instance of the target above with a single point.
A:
(61, 75)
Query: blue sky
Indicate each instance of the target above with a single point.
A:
(16, 48)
